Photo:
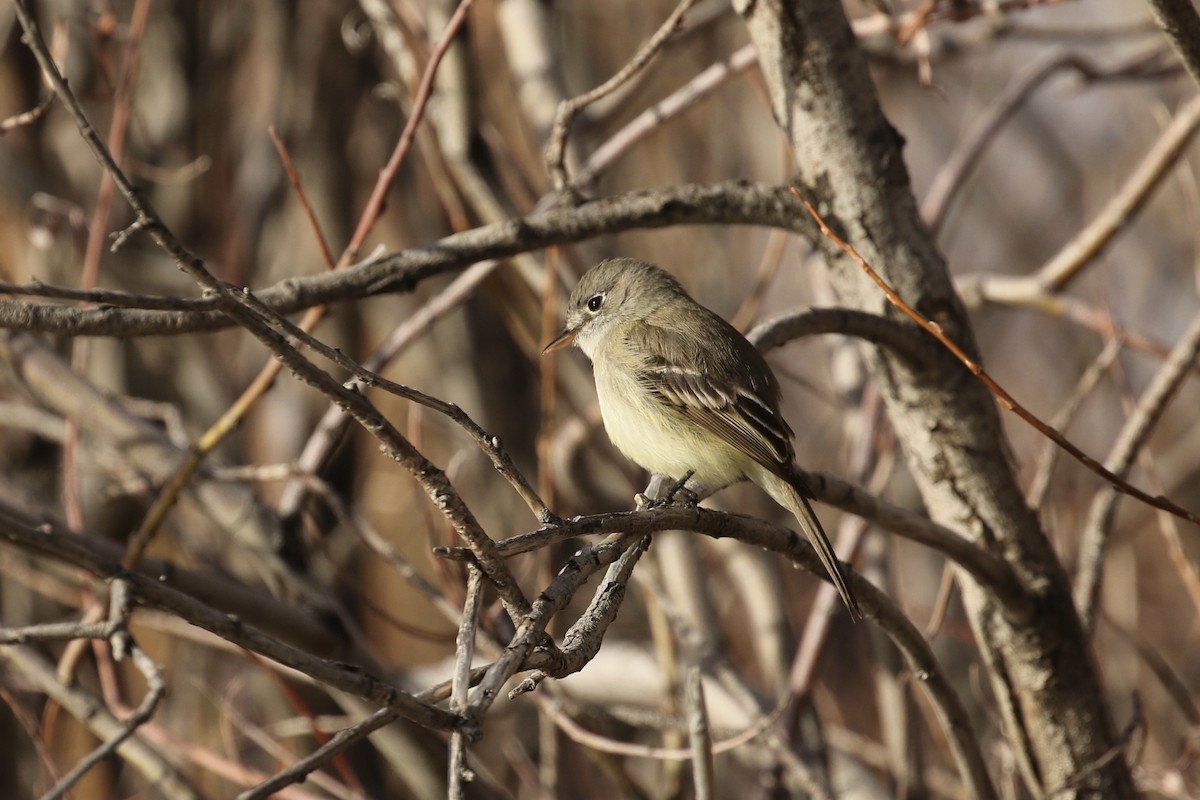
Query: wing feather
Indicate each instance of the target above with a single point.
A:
(729, 391)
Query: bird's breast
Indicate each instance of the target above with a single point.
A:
(659, 438)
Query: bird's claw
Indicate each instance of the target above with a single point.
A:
(677, 495)
(681, 496)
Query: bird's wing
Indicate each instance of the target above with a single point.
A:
(742, 407)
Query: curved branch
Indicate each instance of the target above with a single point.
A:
(987, 569)
(1133, 437)
(947, 705)
(728, 203)
(155, 768)
(877, 606)
(902, 339)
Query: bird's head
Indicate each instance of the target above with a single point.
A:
(614, 291)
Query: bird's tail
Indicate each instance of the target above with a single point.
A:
(793, 495)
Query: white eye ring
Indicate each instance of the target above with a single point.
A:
(594, 302)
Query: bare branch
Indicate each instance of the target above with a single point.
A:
(951, 178)
(730, 203)
(982, 566)
(46, 538)
(155, 691)
(1004, 398)
(1129, 443)
(703, 777)
(298, 771)
(556, 149)
(91, 711)
(904, 340)
(1114, 217)
(464, 648)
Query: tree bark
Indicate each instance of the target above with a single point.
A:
(851, 168)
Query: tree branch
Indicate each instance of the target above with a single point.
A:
(729, 203)
(48, 539)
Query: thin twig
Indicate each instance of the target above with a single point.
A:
(298, 187)
(27, 117)
(768, 269)
(329, 431)
(699, 735)
(798, 776)
(1125, 204)
(852, 529)
(57, 632)
(94, 248)
(975, 289)
(464, 650)
(48, 539)
(90, 711)
(420, 102)
(690, 94)
(1132, 438)
(384, 549)
(1003, 397)
(1116, 216)
(556, 149)
(489, 443)
(951, 177)
(1181, 24)
(1087, 382)
(605, 744)
(299, 770)
(156, 689)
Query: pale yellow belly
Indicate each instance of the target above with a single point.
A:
(662, 441)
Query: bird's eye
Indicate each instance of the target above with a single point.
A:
(595, 301)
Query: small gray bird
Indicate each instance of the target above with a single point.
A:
(681, 390)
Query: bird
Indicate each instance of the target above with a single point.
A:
(682, 392)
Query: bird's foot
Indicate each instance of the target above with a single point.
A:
(677, 494)
(680, 495)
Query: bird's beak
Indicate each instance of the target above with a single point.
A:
(564, 339)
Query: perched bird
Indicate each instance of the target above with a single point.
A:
(682, 391)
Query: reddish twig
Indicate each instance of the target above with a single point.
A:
(305, 710)
(1002, 396)
(122, 107)
(420, 102)
(233, 416)
(286, 159)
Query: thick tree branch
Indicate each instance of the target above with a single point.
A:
(730, 203)
(989, 570)
(850, 163)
